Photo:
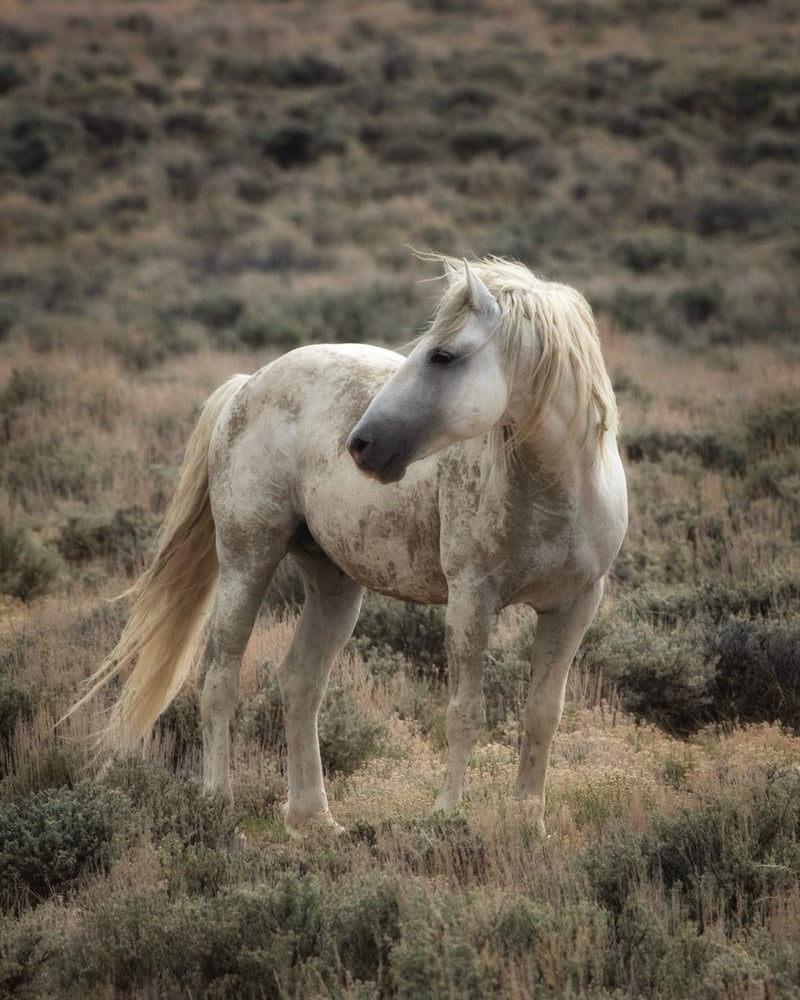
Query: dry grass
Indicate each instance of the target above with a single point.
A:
(710, 391)
(605, 767)
(625, 147)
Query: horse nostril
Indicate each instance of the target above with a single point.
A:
(357, 446)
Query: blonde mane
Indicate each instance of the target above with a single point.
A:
(556, 317)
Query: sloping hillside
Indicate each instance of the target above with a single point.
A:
(176, 174)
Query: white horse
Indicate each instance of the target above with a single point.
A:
(480, 471)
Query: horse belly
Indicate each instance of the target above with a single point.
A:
(386, 537)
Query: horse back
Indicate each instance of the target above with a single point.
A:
(279, 461)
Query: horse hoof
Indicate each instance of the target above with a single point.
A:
(319, 826)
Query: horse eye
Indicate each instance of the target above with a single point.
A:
(440, 357)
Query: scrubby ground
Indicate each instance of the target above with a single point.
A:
(188, 189)
(672, 865)
(673, 860)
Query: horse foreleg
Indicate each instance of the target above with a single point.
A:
(558, 635)
(468, 623)
(238, 599)
(331, 609)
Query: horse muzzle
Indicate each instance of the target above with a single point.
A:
(383, 464)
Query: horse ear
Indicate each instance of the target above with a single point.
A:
(481, 299)
(449, 268)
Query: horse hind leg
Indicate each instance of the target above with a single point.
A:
(330, 612)
(558, 635)
(240, 591)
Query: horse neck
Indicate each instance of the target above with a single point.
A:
(564, 445)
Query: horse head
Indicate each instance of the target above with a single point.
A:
(452, 386)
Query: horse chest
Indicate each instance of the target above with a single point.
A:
(522, 537)
(521, 560)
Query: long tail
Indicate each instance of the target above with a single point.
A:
(171, 597)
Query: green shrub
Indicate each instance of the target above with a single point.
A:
(306, 69)
(273, 329)
(664, 676)
(713, 215)
(298, 143)
(365, 924)
(52, 466)
(714, 449)
(27, 567)
(16, 39)
(285, 591)
(733, 852)
(760, 146)
(25, 950)
(415, 631)
(260, 942)
(361, 314)
(9, 315)
(777, 475)
(27, 385)
(715, 600)
(757, 671)
(469, 141)
(406, 142)
(650, 955)
(520, 922)
(184, 178)
(168, 805)
(438, 952)
(261, 716)
(193, 869)
(347, 736)
(593, 14)
(16, 704)
(30, 141)
(739, 850)
(693, 305)
(137, 23)
(506, 678)
(121, 539)
(775, 425)
(733, 92)
(450, 6)
(52, 839)
(463, 944)
(43, 766)
(113, 126)
(180, 727)
(710, 655)
(632, 310)
(559, 946)
(615, 867)
(218, 310)
(647, 253)
(132, 941)
(191, 123)
(626, 385)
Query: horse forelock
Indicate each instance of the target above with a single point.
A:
(555, 321)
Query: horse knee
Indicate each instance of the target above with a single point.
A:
(465, 719)
(542, 715)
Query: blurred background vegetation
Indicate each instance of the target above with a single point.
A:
(178, 175)
(190, 188)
